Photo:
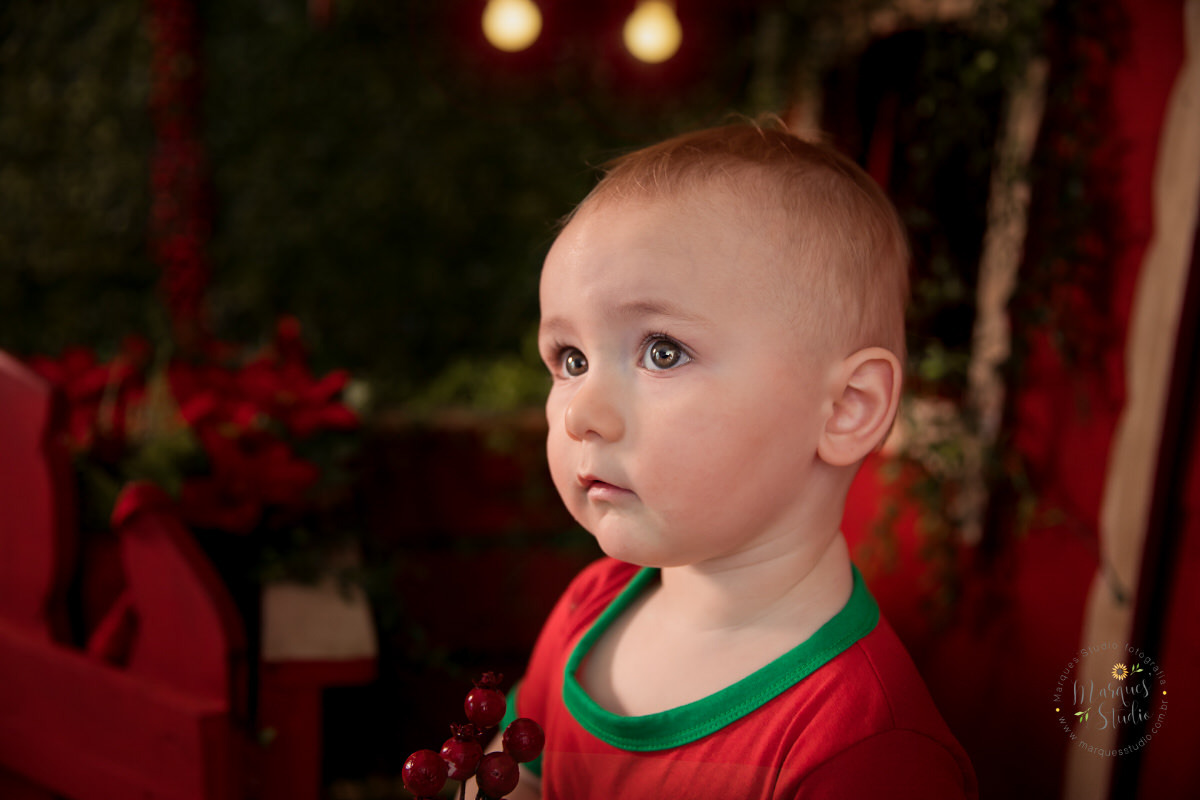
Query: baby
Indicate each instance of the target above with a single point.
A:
(723, 318)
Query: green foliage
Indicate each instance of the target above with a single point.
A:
(503, 382)
(74, 183)
(388, 179)
(394, 186)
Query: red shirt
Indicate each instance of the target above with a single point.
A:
(844, 714)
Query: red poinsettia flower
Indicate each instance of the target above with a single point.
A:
(289, 346)
(209, 394)
(247, 474)
(280, 383)
(277, 386)
(98, 395)
(289, 394)
(245, 415)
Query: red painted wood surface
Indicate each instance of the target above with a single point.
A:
(290, 709)
(153, 704)
(87, 730)
(188, 633)
(36, 520)
(153, 707)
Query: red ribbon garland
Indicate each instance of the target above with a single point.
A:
(181, 210)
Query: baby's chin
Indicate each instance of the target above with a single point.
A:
(623, 534)
(630, 550)
(620, 545)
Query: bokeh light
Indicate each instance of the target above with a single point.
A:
(512, 25)
(652, 32)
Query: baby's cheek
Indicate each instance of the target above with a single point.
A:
(561, 472)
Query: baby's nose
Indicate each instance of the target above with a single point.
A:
(594, 411)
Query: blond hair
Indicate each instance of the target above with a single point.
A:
(841, 236)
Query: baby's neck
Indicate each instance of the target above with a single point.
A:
(798, 588)
(703, 629)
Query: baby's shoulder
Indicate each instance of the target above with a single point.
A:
(875, 682)
(893, 678)
(873, 707)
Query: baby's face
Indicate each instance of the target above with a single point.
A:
(684, 413)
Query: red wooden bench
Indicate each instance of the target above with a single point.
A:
(153, 704)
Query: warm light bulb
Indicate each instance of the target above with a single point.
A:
(511, 25)
(652, 32)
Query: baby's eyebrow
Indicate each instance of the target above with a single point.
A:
(550, 326)
(656, 308)
(632, 309)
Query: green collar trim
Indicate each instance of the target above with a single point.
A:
(687, 723)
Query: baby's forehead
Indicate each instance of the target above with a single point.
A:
(723, 230)
(679, 219)
(832, 243)
(730, 211)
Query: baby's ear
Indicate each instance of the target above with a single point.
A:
(867, 394)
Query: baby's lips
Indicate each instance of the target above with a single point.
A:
(592, 484)
(588, 481)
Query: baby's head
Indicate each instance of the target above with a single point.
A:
(723, 319)
(842, 253)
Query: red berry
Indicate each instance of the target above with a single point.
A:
(424, 773)
(485, 704)
(524, 739)
(462, 752)
(498, 774)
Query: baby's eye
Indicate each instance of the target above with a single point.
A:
(574, 362)
(662, 353)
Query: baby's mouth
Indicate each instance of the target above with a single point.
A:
(597, 488)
